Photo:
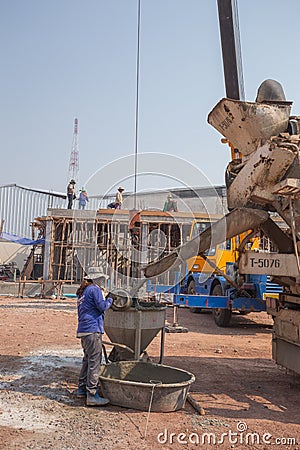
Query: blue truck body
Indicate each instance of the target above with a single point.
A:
(228, 299)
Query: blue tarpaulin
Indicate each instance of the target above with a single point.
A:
(20, 240)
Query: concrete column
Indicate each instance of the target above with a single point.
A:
(47, 250)
(145, 232)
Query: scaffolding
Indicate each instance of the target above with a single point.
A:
(116, 242)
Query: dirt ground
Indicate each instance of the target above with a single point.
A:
(249, 402)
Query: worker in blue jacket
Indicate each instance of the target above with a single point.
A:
(83, 199)
(91, 306)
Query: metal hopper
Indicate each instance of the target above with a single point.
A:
(247, 124)
(135, 328)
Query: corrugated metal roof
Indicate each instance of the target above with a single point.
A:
(41, 191)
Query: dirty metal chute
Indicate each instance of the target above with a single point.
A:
(235, 222)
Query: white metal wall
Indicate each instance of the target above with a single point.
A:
(19, 206)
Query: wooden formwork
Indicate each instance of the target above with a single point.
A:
(117, 242)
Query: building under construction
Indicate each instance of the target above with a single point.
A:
(107, 240)
(116, 243)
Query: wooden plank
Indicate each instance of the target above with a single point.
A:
(195, 405)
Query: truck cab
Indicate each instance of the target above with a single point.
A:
(203, 279)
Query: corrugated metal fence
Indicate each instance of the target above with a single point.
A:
(19, 206)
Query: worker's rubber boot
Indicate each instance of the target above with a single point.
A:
(96, 400)
(81, 392)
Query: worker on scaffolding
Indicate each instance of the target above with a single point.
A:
(170, 204)
(83, 199)
(91, 305)
(119, 199)
(71, 193)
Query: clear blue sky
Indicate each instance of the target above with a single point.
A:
(62, 59)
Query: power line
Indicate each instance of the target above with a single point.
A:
(137, 103)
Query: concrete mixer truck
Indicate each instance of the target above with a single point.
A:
(263, 181)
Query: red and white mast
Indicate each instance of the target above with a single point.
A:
(74, 157)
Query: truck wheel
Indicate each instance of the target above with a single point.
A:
(221, 316)
(192, 291)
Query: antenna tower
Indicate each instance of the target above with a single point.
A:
(74, 157)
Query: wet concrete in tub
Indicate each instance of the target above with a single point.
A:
(132, 383)
(144, 373)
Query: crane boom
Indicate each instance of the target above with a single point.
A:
(231, 49)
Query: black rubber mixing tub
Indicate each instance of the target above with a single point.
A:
(130, 384)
